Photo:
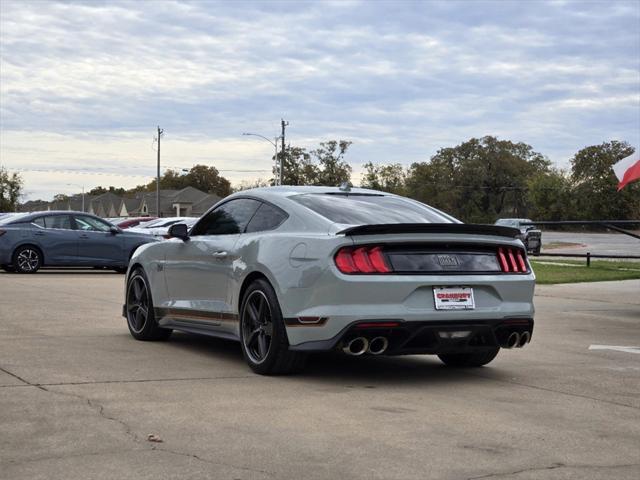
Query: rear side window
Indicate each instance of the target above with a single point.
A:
(267, 217)
(229, 218)
(62, 222)
(38, 221)
(357, 209)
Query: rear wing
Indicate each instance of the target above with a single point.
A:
(460, 228)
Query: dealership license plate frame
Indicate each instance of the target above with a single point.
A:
(451, 303)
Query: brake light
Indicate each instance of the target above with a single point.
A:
(512, 260)
(369, 259)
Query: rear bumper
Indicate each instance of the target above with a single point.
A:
(428, 337)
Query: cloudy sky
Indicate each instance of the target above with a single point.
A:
(83, 85)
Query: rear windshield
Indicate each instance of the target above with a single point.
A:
(12, 217)
(356, 209)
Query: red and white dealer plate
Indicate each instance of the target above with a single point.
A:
(453, 298)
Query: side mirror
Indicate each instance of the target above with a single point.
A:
(114, 230)
(179, 230)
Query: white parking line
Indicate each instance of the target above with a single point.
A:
(615, 348)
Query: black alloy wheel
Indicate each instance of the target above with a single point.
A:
(139, 309)
(263, 337)
(257, 326)
(27, 259)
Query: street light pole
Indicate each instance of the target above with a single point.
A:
(81, 186)
(278, 179)
(158, 175)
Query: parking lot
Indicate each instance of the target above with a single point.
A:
(79, 397)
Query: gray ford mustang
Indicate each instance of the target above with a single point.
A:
(31, 240)
(291, 270)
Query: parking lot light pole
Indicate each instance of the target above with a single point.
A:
(278, 179)
(81, 186)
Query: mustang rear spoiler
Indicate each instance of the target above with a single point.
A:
(458, 228)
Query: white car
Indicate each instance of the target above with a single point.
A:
(160, 226)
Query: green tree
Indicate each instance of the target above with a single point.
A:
(298, 169)
(388, 178)
(550, 196)
(595, 189)
(333, 170)
(10, 190)
(202, 177)
(478, 180)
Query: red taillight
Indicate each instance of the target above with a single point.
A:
(362, 260)
(512, 260)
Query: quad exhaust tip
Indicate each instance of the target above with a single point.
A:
(513, 340)
(378, 345)
(525, 338)
(356, 346)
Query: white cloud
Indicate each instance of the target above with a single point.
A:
(84, 84)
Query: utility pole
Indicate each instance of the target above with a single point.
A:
(282, 150)
(158, 176)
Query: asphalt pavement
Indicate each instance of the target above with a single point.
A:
(595, 243)
(79, 398)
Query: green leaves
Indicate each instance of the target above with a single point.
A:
(10, 190)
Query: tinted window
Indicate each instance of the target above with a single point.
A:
(267, 217)
(369, 209)
(91, 224)
(58, 221)
(38, 221)
(229, 218)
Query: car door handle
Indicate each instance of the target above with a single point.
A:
(84, 235)
(40, 234)
(220, 254)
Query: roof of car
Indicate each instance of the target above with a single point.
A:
(289, 190)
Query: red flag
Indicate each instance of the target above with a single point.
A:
(627, 170)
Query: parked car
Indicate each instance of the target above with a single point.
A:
(127, 223)
(160, 227)
(32, 240)
(291, 270)
(529, 235)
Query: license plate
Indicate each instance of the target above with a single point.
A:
(453, 298)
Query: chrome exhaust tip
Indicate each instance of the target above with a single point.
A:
(524, 339)
(513, 340)
(378, 345)
(356, 346)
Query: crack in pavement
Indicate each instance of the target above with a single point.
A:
(549, 467)
(546, 389)
(128, 430)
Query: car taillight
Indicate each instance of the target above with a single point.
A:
(368, 259)
(512, 260)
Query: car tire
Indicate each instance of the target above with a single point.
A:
(139, 311)
(8, 268)
(536, 251)
(471, 359)
(263, 337)
(27, 259)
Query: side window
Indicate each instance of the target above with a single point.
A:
(38, 221)
(62, 222)
(267, 217)
(91, 224)
(229, 218)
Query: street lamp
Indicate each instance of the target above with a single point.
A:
(275, 145)
(81, 186)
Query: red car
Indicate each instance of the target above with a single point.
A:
(134, 222)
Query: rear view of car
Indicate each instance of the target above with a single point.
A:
(529, 234)
(291, 270)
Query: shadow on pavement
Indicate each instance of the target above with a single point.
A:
(337, 368)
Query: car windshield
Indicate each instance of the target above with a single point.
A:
(368, 209)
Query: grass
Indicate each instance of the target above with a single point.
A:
(573, 271)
